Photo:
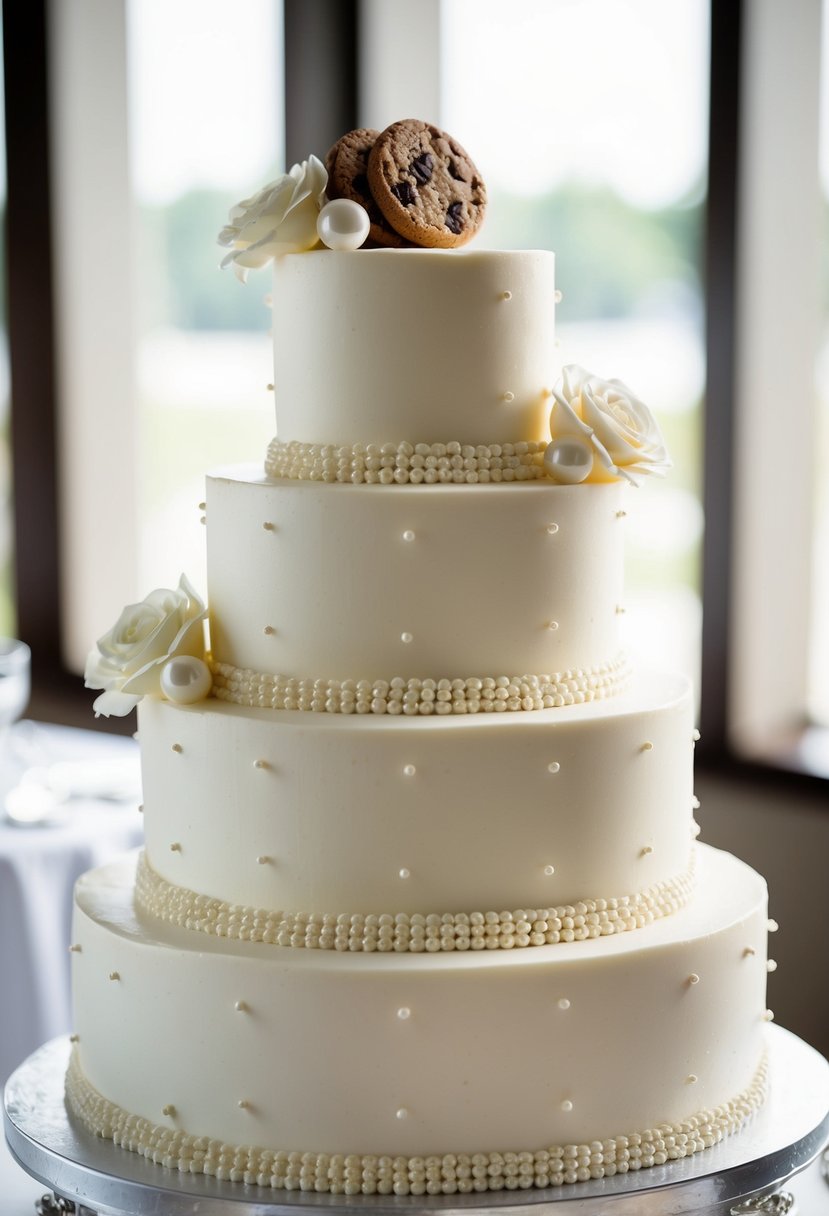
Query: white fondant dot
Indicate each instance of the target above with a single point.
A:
(695, 803)
(549, 871)
(175, 847)
(263, 859)
(115, 975)
(768, 1016)
(693, 978)
(563, 1003)
(404, 873)
(749, 952)
(409, 770)
(260, 764)
(552, 529)
(696, 736)
(772, 926)
(408, 535)
(567, 1105)
(178, 748)
(692, 1078)
(343, 224)
(268, 526)
(243, 1104)
(647, 746)
(402, 1113)
(202, 506)
(558, 297)
(169, 1109)
(647, 849)
(406, 638)
(771, 965)
(404, 1013)
(268, 630)
(554, 767)
(241, 1006)
(552, 626)
(506, 295)
(508, 396)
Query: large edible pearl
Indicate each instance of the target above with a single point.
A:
(569, 460)
(186, 680)
(343, 224)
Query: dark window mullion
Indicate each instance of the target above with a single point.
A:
(720, 338)
(320, 75)
(31, 333)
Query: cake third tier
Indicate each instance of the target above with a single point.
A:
(253, 817)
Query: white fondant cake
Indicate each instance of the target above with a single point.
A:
(421, 908)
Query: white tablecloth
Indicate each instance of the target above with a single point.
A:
(38, 868)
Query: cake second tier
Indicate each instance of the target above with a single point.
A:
(370, 582)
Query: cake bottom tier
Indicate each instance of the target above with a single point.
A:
(363, 1072)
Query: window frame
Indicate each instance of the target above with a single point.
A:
(328, 53)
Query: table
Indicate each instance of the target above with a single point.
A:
(39, 866)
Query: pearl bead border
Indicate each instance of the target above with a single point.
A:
(409, 933)
(446, 1174)
(405, 463)
(489, 694)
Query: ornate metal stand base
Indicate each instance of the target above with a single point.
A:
(743, 1175)
(56, 1205)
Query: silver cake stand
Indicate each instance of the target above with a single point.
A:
(744, 1174)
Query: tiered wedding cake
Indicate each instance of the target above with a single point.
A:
(421, 907)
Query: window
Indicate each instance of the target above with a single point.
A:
(589, 123)
(819, 642)
(8, 614)
(159, 378)
(596, 84)
(778, 616)
(205, 127)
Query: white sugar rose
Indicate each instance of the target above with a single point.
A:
(601, 432)
(280, 218)
(127, 662)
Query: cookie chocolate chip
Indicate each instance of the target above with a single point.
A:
(347, 169)
(426, 185)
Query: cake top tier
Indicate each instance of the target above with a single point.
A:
(423, 346)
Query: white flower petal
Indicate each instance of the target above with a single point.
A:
(280, 218)
(565, 421)
(147, 680)
(114, 704)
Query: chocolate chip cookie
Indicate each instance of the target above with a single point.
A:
(347, 169)
(426, 185)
